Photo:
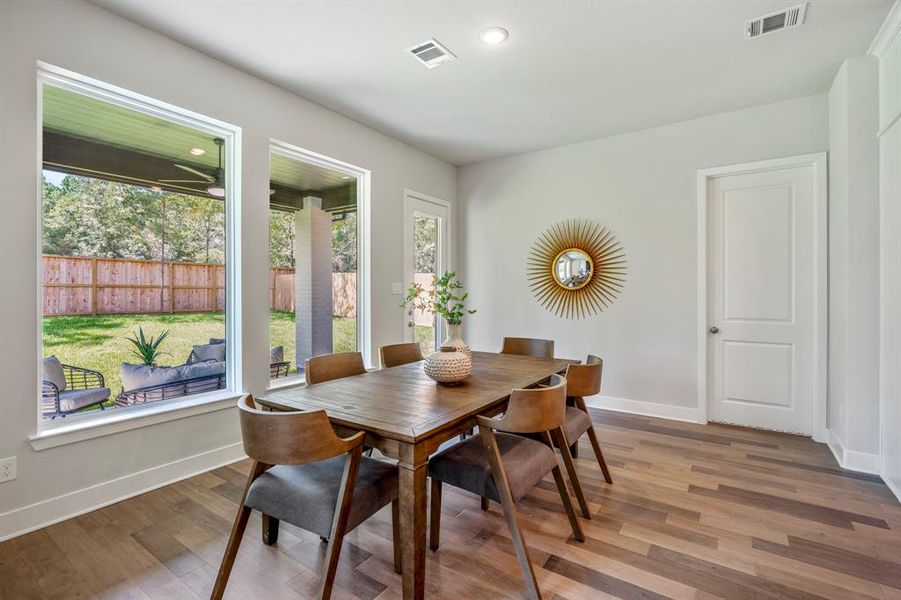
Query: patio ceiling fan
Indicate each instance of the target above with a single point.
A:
(215, 187)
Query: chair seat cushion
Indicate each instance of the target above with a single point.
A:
(577, 423)
(307, 495)
(75, 399)
(465, 465)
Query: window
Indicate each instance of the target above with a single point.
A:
(314, 251)
(135, 206)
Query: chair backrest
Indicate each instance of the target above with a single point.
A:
(584, 380)
(333, 366)
(400, 354)
(532, 411)
(528, 347)
(289, 438)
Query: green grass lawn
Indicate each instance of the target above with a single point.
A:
(98, 342)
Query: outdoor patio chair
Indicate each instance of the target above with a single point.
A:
(67, 389)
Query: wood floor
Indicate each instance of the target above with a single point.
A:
(694, 512)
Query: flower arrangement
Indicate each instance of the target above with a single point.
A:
(444, 299)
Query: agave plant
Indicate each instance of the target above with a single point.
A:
(147, 349)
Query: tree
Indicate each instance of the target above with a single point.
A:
(344, 244)
(281, 239)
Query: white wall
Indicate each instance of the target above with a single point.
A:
(887, 47)
(643, 186)
(854, 265)
(86, 39)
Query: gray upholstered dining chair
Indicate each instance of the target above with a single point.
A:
(306, 475)
(502, 464)
(583, 380)
(326, 367)
(528, 347)
(393, 355)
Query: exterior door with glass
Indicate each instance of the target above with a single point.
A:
(426, 251)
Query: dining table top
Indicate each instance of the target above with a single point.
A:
(404, 404)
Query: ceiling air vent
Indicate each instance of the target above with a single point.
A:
(777, 21)
(431, 53)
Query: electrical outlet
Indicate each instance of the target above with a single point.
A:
(7, 469)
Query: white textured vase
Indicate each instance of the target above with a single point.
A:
(449, 365)
(454, 339)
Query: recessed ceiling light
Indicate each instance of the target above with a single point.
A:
(493, 36)
(198, 151)
(345, 177)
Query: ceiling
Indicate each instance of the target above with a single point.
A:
(303, 175)
(570, 71)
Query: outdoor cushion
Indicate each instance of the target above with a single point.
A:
(74, 399)
(53, 372)
(201, 369)
(205, 352)
(139, 376)
(277, 355)
(307, 495)
(465, 465)
(577, 422)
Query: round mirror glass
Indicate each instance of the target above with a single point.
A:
(573, 269)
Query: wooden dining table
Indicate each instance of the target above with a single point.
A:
(407, 416)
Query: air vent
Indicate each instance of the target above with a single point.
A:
(431, 53)
(777, 21)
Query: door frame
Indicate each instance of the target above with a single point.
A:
(411, 196)
(818, 161)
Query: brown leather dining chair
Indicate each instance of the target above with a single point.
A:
(400, 354)
(306, 475)
(583, 380)
(326, 367)
(502, 464)
(528, 347)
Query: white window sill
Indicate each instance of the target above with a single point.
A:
(286, 382)
(59, 432)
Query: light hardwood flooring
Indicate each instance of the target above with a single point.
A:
(694, 512)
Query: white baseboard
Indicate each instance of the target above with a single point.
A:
(893, 485)
(25, 519)
(853, 460)
(640, 407)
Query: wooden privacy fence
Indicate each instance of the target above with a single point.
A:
(79, 285)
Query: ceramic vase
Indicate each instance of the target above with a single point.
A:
(454, 339)
(448, 366)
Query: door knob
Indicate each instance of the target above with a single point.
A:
(714, 329)
(411, 324)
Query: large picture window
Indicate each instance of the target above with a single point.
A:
(314, 250)
(135, 240)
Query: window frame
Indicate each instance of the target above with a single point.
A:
(362, 175)
(50, 75)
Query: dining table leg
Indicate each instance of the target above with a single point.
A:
(413, 476)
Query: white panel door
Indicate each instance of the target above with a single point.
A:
(762, 298)
(426, 252)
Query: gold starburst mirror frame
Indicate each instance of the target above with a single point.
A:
(576, 268)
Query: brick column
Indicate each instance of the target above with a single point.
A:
(313, 280)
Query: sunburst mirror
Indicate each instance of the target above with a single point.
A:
(576, 268)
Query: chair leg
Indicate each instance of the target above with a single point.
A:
(484, 502)
(231, 551)
(561, 441)
(339, 523)
(435, 516)
(574, 449)
(503, 488)
(270, 530)
(568, 505)
(395, 534)
(592, 436)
